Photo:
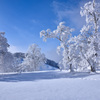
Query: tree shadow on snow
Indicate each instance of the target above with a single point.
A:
(41, 76)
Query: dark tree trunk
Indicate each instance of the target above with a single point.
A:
(71, 69)
(93, 69)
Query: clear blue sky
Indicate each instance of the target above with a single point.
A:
(22, 20)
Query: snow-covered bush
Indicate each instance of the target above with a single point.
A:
(33, 59)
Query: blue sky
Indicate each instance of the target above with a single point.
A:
(22, 21)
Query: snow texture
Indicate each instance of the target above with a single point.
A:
(50, 85)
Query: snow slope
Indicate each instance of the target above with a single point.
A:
(50, 85)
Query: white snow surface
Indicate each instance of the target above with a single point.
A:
(50, 85)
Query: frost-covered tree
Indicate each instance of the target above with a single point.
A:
(9, 64)
(17, 64)
(74, 52)
(33, 59)
(6, 58)
(92, 29)
(79, 48)
(92, 12)
(18, 59)
(81, 51)
(63, 34)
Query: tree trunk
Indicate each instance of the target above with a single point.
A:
(93, 69)
(71, 69)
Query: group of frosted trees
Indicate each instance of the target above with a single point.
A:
(80, 52)
(8, 63)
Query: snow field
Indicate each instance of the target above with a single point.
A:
(50, 85)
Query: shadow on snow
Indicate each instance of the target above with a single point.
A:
(41, 76)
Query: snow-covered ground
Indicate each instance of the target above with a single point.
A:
(50, 85)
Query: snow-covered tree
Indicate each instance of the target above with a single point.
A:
(9, 64)
(92, 29)
(18, 59)
(81, 51)
(92, 12)
(63, 34)
(78, 49)
(6, 58)
(33, 59)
